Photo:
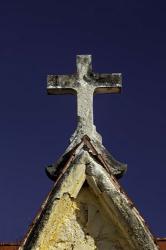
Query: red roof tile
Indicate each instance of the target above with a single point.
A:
(162, 243)
(9, 246)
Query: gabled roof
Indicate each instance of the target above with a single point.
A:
(83, 164)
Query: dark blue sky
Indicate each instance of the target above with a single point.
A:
(42, 37)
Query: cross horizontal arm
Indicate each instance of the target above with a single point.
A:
(61, 84)
(107, 83)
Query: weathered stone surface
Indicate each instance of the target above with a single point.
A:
(84, 84)
(80, 224)
(88, 210)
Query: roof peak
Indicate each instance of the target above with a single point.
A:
(96, 150)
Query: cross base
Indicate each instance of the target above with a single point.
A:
(80, 132)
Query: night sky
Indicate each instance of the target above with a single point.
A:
(42, 37)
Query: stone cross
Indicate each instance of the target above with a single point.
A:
(84, 83)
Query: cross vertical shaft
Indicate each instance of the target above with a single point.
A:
(85, 108)
(84, 94)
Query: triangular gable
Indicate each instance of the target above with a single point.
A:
(87, 209)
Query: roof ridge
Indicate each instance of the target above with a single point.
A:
(96, 150)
